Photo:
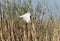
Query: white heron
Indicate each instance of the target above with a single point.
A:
(26, 17)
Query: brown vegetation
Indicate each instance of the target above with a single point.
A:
(14, 29)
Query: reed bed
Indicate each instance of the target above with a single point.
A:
(14, 29)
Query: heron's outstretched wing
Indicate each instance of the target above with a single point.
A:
(26, 14)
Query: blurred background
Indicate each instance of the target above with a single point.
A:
(45, 22)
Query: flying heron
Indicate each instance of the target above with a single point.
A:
(26, 17)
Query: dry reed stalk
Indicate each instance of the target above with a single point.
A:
(1, 36)
(56, 30)
(33, 32)
(11, 30)
(25, 36)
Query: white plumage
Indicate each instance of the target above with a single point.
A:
(26, 17)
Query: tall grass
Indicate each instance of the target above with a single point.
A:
(14, 29)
